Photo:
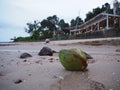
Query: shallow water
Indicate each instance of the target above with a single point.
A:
(10, 50)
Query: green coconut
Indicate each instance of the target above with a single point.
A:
(73, 59)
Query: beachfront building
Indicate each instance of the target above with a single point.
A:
(101, 22)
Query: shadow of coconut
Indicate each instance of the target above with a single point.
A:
(77, 80)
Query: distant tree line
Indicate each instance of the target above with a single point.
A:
(40, 30)
(105, 8)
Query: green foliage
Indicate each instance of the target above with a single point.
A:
(45, 34)
(47, 24)
(89, 15)
(44, 29)
(35, 35)
(24, 39)
(73, 23)
(62, 24)
(31, 27)
(77, 21)
(51, 22)
(98, 10)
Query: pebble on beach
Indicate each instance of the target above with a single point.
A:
(47, 40)
(18, 81)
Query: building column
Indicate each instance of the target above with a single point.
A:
(74, 33)
(98, 26)
(119, 22)
(70, 32)
(107, 23)
(91, 27)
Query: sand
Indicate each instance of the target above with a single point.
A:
(47, 73)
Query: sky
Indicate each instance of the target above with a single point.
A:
(14, 14)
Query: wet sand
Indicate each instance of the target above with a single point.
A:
(47, 73)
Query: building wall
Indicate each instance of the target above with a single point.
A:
(98, 34)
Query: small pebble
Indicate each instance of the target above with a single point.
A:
(118, 60)
(51, 60)
(113, 73)
(117, 50)
(18, 81)
(37, 61)
(117, 80)
(29, 74)
(1, 74)
(110, 89)
(2, 65)
(25, 61)
(60, 77)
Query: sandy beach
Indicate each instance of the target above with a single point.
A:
(47, 73)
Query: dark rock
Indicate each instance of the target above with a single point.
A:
(25, 55)
(46, 51)
(88, 56)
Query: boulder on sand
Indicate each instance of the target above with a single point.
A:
(25, 55)
(46, 51)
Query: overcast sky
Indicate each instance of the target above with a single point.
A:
(14, 14)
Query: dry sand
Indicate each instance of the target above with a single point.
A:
(47, 73)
